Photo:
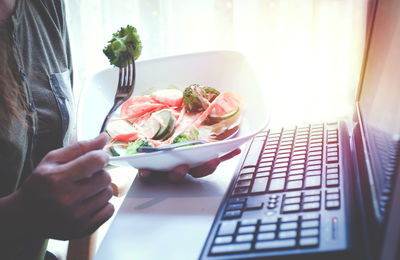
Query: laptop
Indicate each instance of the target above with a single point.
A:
(328, 190)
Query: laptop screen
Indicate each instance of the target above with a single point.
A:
(380, 104)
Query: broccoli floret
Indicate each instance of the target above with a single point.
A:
(133, 146)
(196, 98)
(124, 44)
(187, 136)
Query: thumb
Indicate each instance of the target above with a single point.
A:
(75, 150)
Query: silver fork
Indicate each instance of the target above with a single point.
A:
(126, 84)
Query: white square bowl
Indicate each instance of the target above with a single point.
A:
(223, 70)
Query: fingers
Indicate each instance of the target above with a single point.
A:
(91, 186)
(85, 166)
(210, 166)
(178, 173)
(100, 217)
(95, 203)
(205, 169)
(72, 152)
(230, 155)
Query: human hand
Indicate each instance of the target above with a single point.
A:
(178, 173)
(66, 196)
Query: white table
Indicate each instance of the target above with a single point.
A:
(167, 221)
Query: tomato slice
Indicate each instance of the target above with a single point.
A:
(138, 106)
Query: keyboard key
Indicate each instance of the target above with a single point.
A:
(263, 174)
(227, 228)
(259, 185)
(309, 232)
(311, 206)
(297, 166)
(248, 170)
(288, 226)
(309, 242)
(254, 206)
(299, 157)
(287, 234)
(332, 159)
(267, 228)
(243, 183)
(315, 172)
(295, 185)
(223, 240)
(278, 165)
(275, 244)
(249, 221)
(314, 167)
(332, 176)
(254, 153)
(299, 151)
(332, 154)
(312, 182)
(298, 161)
(315, 157)
(235, 206)
(246, 229)
(294, 172)
(316, 162)
(310, 224)
(266, 236)
(291, 208)
(332, 204)
(277, 184)
(312, 192)
(269, 220)
(295, 177)
(294, 200)
(278, 170)
(279, 175)
(310, 216)
(311, 198)
(247, 176)
(332, 170)
(237, 200)
(265, 164)
(232, 214)
(244, 238)
(241, 191)
(230, 248)
(332, 183)
(289, 218)
(333, 196)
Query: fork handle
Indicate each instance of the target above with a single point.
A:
(112, 110)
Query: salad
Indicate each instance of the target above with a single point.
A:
(170, 115)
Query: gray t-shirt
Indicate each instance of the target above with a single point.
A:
(41, 62)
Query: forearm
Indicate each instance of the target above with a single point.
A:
(14, 218)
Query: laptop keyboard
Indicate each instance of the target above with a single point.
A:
(289, 183)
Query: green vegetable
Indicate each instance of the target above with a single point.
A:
(133, 146)
(196, 98)
(124, 44)
(187, 136)
(167, 126)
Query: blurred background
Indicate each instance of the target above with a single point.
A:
(307, 54)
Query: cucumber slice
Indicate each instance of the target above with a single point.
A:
(119, 127)
(167, 122)
(213, 118)
(117, 150)
(151, 127)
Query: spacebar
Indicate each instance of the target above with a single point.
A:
(275, 244)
